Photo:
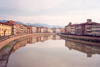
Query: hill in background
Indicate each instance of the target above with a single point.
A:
(37, 24)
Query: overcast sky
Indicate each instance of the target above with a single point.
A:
(52, 12)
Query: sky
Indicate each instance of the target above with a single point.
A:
(51, 12)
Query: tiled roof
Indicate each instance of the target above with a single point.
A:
(5, 23)
(89, 23)
(11, 22)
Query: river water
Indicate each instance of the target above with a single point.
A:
(52, 51)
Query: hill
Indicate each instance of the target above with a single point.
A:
(37, 24)
(45, 25)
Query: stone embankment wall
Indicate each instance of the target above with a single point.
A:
(3, 43)
(82, 38)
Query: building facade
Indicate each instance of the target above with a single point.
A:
(38, 30)
(29, 29)
(15, 27)
(87, 28)
(56, 30)
(34, 29)
(95, 30)
(5, 29)
(42, 29)
(49, 30)
(23, 29)
(68, 28)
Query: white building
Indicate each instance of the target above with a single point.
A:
(34, 29)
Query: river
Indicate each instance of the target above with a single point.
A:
(52, 51)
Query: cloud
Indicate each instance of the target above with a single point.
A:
(29, 4)
(50, 11)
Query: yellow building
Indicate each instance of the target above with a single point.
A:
(49, 30)
(5, 29)
(42, 29)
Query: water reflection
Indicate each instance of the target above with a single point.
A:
(56, 37)
(31, 40)
(89, 50)
(20, 44)
(52, 51)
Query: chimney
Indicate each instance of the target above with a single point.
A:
(70, 23)
(89, 20)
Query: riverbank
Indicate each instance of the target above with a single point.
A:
(82, 38)
(83, 42)
(5, 52)
(3, 43)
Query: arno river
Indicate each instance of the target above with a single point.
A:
(52, 51)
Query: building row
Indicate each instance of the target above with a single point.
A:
(58, 30)
(12, 28)
(86, 28)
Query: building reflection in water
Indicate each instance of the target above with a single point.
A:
(56, 37)
(20, 44)
(88, 49)
(31, 40)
